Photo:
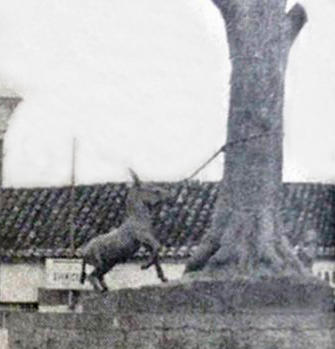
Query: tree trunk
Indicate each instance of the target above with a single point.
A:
(246, 232)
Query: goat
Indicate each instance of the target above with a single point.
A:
(105, 251)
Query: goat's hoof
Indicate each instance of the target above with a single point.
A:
(164, 280)
(104, 291)
(144, 266)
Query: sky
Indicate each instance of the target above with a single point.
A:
(145, 84)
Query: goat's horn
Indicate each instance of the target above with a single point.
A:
(135, 177)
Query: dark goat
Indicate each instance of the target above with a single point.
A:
(105, 251)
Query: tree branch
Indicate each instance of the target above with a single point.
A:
(295, 18)
(228, 11)
(221, 3)
(224, 6)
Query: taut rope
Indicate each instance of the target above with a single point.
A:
(223, 149)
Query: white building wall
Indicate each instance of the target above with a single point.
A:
(325, 270)
(20, 282)
(131, 275)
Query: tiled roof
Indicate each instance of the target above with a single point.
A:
(309, 206)
(36, 222)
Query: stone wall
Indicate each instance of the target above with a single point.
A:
(196, 315)
(174, 330)
(3, 338)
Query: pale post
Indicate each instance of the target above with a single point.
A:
(72, 197)
(8, 103)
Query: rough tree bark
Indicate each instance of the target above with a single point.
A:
(246, 233)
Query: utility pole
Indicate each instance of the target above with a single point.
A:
(72, 295)
(72, 226)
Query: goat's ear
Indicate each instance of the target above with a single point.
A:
(134, 176)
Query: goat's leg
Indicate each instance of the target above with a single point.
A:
(153, 247)
(154, 260)
(93, 278)
(159, 271)
(151, 261)
(102, 271)
(102, 282)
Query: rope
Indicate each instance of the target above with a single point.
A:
(224, 148)
(206, 163)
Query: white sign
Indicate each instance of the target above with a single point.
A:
(64, 274)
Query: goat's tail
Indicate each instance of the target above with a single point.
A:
(83, 272)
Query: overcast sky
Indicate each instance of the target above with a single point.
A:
(144, 84)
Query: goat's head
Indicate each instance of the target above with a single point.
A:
(150, 193)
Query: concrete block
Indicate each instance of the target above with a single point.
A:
(112, 340)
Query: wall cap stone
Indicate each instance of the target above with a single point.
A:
(217, 296)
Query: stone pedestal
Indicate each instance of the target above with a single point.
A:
(241, 314)
(238, 314)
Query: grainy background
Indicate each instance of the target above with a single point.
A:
(145, 84)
